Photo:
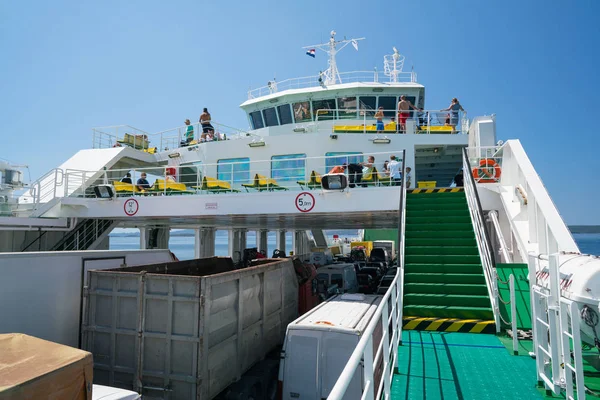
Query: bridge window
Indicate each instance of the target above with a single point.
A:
(234, 170)
(347, 106)
(335, 158)
(285, 114)
(256, 119)
(270, 116)
(324, 109)
(389, 105)
(367, 105)
(302, 112)
(288, 167)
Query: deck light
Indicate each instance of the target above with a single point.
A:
(299, 130)
(333, 136)
(382, 141)
(378, 89)
(257, 144)
(104, 191)
(174, 155)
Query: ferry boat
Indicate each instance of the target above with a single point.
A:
(490, 297)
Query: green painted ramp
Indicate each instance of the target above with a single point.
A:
(522, 295)
(370, 235)
(443, 272)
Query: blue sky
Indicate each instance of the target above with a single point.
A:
(69, 66)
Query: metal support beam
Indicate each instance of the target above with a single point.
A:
(262, 240)
(280, 240)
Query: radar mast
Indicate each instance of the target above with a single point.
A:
(332, 47)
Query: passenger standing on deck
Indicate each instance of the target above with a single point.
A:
(403, 107)
(395, 173)
(205, 122)
(454, 108)
(408, 177)
(379, 117)
(189, 132)
(459, 179)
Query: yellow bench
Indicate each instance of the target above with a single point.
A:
(125, 189)
(261, 183)
(390, 127)
(214, 185)
(139, 142)
(169, 187)
(437, 129)
(313, 182)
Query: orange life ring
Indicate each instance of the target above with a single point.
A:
(488, 171)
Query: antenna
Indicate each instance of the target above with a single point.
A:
(393, 64)
(332, 47)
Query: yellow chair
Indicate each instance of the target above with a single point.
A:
(214, 185)
(170, 187)
(139, 142)
(370, 178)
(125, 189)
(313, 182)
(261, 183)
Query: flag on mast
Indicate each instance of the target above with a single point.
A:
(311, 53)
(355, 44)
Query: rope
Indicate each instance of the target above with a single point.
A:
(502, 320)
(500, 298)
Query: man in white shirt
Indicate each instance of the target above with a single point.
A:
(395, 173)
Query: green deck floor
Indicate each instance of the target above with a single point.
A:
(442, 365)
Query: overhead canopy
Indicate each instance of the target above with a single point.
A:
(32, 368)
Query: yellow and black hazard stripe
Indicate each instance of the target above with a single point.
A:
(448, 325)
(436, 190)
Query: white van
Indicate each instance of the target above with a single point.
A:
(318, 345)
(344, 275)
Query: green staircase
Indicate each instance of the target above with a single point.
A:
(443, 277)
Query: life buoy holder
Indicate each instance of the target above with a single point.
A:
(488, 171)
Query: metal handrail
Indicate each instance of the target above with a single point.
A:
(364, 349)
(503, 248)
(483, 237)
(313, 81)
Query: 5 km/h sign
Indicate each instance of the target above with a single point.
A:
(305, 202)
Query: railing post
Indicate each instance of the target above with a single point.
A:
(513, 314)
(553, 306)
(368, 376)
(385, 337)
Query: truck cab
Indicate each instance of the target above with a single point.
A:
(342, 275)
(318, 345)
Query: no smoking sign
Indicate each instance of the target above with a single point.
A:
(305, 202)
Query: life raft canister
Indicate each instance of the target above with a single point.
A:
(488, 171)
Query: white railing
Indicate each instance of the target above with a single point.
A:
(240, 176)
(483, 242)
(115, 136)
(556, 332)
(46, 188)
(364, 121)
(385, 353)
(503, 250)
(547, 232)
(313, 81)
(390, 310)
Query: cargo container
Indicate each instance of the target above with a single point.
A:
(367, 246)
(189, 330)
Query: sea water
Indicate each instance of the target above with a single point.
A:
(183, 246)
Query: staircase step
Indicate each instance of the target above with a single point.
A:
(427, 310)
(443, 277)
(409, 242)
(453, 226)
(440, 299)
(448, 325)
(442, 259)
(468, 269)
(446, 219)
(441, 234)
(441, 250)
(446, 288)
(437, 206)
(443, 195)
(441, 212)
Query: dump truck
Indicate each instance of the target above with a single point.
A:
(196, 329)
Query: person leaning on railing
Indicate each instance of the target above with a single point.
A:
(205, 122)
(452, 118)
(142, 183)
